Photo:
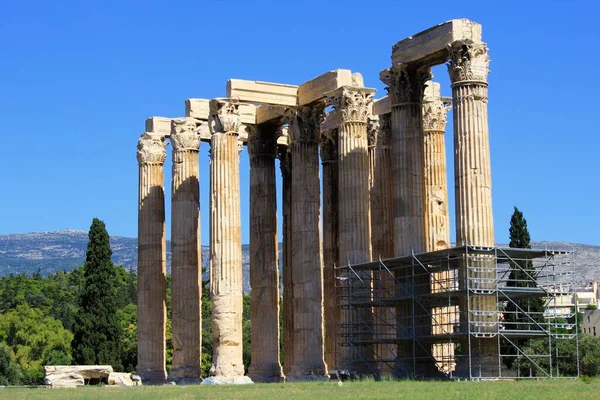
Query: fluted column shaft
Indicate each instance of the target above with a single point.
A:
(436, 215)
(351, 104)
(152, 282)
(406, 86)
(382, 238)
(225, 242)
(329, 161)
(285, 164)
(468, 67)
(186, 266)
(307, 256)
(264, 269)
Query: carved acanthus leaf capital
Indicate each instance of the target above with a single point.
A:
(351, 103)
(305, 122)
(329, 145)
(185, 134)
(379, 130)
(224, 116)
(435, 114)
(285, 160)
(151, 149)
(468, 61)
(405, 83)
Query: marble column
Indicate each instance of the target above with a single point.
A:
(307, 257)
(468, 66)
(264, 268)
(382, 237)
(436, 214)
(186, 265)
(351, 106)
(152, 255)
(225, 242)
(285, 164)
(329, 162)
(406, 86)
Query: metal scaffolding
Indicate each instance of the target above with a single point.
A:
(462, 313)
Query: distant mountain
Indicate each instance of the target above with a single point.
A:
(65, 250)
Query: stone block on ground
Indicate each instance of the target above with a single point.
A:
(122, 379)
(221, 380)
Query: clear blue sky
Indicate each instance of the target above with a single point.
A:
(78, 79)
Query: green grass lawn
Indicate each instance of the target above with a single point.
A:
(505, 390)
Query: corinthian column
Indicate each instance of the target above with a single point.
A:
(225, 242)
(152, 282)
(285, 164)
(436, 215)
(329, 162)
(264, 269)
(307, 257)
(382, 238)
(186, 266)
(351, 105)
(468, 66)
(406, 85)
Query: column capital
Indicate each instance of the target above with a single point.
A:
(352, 104)
(435, 109)
(379, 129)
(406, 83)
(224, 116)
(468, 61)
(329, 145)
(185, 134)
(305, 122)
(151, 149)
(285, 160)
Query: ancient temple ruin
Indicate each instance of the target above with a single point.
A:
(382, 168)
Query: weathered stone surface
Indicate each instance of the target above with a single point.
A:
(382, 106)
(430, 47)
(74, 375)
(262, 92)
(186, 265)
(236, 380)
(200, 110)
(352, 106)
(152, 248)
(161, 125)
(264, 268)
(331, 313)
(122, 379)
(315, 89)
(225, 241)
(307, 257)
(267, 113)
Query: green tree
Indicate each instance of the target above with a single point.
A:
(522, 314)
(10, 371)
(36, 339)
(97, 332)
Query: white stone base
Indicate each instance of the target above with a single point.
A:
(222, 380)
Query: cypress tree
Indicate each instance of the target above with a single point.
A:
(97, 331)
(522, 274)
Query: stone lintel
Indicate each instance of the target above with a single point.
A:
(430, 47)
(257, 92)
(316, 89)
(160, 125)
(382, 106)
(267, 113)
(199, 109)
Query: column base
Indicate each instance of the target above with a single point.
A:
(266, 373)
(187, 375)
(153, 377)
(303, 373)
(227, 380)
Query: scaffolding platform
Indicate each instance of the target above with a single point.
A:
(467, 312)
